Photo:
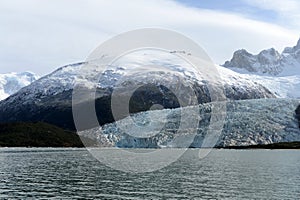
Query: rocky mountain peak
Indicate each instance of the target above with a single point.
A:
(268, 57)
(267, 62)
(241, 58)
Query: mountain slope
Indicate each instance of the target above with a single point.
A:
(49, 99)
(10, 83)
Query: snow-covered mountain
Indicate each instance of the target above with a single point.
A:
(64, 78)
(280, 73)
(49, 99)
(267, 62)
(10, 83)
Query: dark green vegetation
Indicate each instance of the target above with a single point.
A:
(281, 145)
(36, 135)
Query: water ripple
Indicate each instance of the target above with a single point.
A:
(224, 174)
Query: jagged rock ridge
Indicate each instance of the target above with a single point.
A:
(267, 62)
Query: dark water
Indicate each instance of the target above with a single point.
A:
(224, 174)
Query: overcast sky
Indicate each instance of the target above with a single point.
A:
(42, 35)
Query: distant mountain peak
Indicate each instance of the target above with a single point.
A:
(12, 82)
(267, 62)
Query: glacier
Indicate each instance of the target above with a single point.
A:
(247, 122)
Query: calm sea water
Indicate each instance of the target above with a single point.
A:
(224, 174)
